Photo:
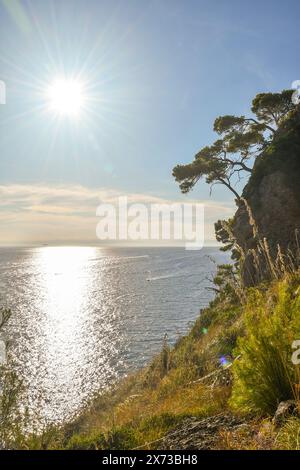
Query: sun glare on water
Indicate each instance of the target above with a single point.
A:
(66, 97)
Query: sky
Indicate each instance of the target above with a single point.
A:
(156, 74)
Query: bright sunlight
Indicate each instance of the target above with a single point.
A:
(66, 97)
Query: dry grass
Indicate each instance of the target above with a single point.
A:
(288, 437)
(256, 435)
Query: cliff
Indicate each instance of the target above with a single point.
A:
(273, 204)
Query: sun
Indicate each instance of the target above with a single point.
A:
(66, 97)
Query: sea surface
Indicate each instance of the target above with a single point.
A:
(82, 316)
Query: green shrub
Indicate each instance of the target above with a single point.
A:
(227, 341)
(163, 422)
(117, 438)
(203, 322)
(122, 438)
(82, 442)
(265, 374)
(12, 420)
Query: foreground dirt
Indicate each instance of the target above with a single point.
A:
(205, 434)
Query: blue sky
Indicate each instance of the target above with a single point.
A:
(157, 72)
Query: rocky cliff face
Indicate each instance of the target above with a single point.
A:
(273, 199)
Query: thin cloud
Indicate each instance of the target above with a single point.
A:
(44, 213)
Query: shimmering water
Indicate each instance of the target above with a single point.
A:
(84, 316)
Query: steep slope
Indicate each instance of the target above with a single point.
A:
(273, 196)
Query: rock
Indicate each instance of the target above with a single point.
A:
(273, 196)
(202, 434)
(284, 410)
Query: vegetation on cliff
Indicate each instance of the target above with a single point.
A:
(236, 360)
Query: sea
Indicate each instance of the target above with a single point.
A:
(83, 317)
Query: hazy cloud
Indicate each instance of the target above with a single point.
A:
(44, 213)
